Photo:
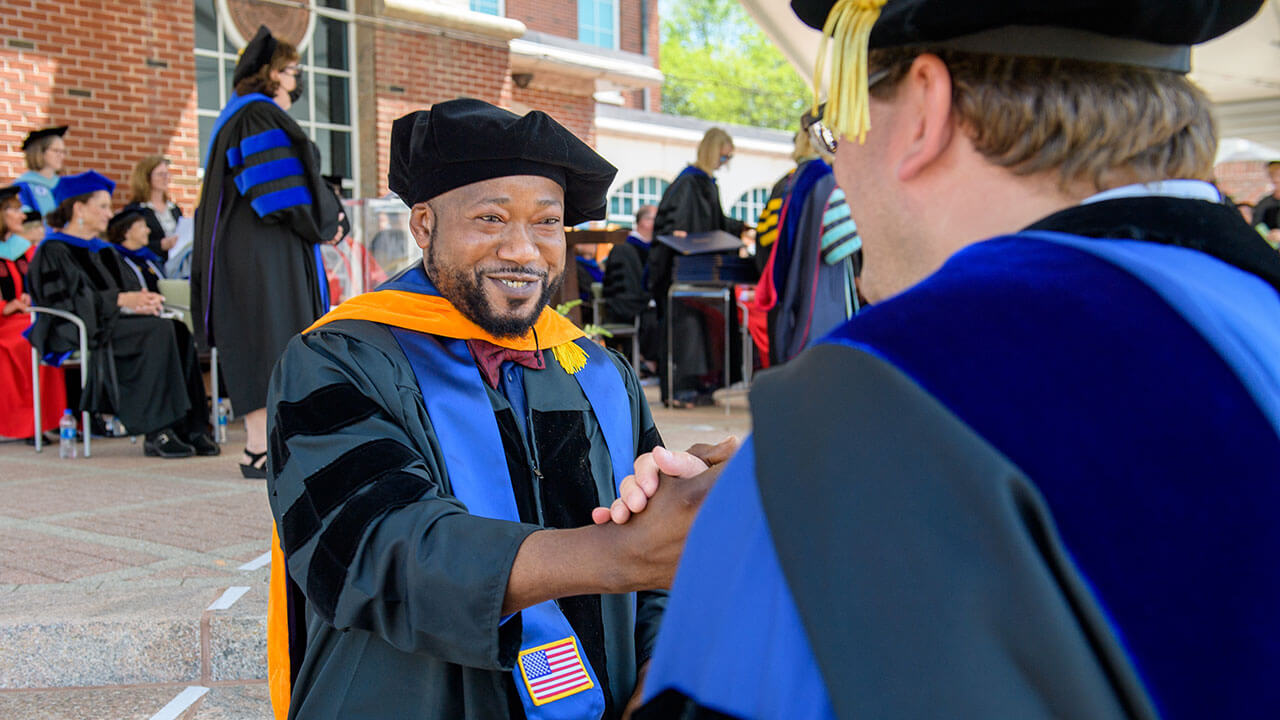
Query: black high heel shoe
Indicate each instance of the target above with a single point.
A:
(257, 465)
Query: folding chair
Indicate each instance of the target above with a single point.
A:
(82, 360)
(616, 329)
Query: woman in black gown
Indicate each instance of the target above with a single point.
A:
(142, 367)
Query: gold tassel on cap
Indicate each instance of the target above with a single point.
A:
(571, 357)
(847, 113)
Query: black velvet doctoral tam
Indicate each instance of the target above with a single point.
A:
(256, 54)
(465, 141)
(1001, 24)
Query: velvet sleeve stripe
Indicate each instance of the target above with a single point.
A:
(336, 548)
(263, 141)
(255, 175)
(54, 295)
(335, 483)
(324, 411)
(649, 440)
(281, 200)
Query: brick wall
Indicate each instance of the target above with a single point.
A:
(413, 70)
(1243, 181)
(556, 17)
(122, 75)
(560, 98)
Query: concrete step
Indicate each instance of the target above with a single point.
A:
(52, 637)
(218, 701)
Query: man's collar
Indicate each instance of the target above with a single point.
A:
(1209, 227)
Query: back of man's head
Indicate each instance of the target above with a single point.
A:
(1093, 124)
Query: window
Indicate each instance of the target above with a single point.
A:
(488, 7)
(324, 112)
(598, 23)
(749, 204)
(629, 198)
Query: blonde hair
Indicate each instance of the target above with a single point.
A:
(803, 149)
(35, 152)
(140, 180)
(1090, 122)
(709, 149)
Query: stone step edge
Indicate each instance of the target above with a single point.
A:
(92, 652)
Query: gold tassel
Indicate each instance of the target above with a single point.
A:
(571, 357)
(848, 113)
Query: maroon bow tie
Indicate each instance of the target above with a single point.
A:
(489, 359)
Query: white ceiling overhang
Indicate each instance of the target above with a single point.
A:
(1241, 66)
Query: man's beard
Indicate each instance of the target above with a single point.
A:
(466, 291)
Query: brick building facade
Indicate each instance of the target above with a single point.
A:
(141, 77)
(120, 74)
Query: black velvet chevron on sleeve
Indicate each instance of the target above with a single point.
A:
(649, 440)
(324, 411)
(336, 548)
(335, 483)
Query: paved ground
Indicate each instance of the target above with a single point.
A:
(132, 587)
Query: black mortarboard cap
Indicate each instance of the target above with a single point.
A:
(32, 216)
(8, 192)
(465, 141)
(1148, 33)
(256, 54)
(1000, 27)
(334, 180)
(35, 135)
(122, 220)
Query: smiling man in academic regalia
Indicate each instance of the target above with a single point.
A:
(1038, 477)
(438, 447)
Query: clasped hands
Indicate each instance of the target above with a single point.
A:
(141, 302)
(661, 465)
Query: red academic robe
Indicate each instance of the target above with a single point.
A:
(15, 362)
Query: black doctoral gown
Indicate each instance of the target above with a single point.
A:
(142, 368)
(625, 296)
(254, 276)
(691, 204)
(154, 227)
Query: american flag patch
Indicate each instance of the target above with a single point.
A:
(554, 670)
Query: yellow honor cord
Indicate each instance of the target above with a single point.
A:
(848, 113)
(571, 357)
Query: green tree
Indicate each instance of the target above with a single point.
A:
(720, 66)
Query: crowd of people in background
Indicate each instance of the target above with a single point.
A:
(271, 250)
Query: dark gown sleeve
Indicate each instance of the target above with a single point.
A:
(624, 293)
(371, 537)
(56, 280)
(281, 174)
(683, 207)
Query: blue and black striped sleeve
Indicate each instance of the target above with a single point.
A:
(276, 169)
(370, 537)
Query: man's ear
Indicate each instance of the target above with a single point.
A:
(422, 224)
(926, 111)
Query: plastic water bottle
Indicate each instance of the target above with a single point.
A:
(67, 435)
(224, 414)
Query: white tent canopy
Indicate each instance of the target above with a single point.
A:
(1234, 149)
(1242, 66)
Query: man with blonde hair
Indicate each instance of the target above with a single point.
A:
(1038, 477)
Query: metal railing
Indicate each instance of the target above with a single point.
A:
(84, 374)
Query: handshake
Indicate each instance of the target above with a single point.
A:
(636, 489)
(656, 506)
(634, 544)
